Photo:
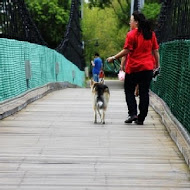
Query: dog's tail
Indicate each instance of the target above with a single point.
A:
(100, 102)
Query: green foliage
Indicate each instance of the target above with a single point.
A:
(106, 3)
(152, 1)
(99, 3)
(151, 10)
(102, 25)
(107, 26)
(51, 18)
(108, 21)
(121, 8)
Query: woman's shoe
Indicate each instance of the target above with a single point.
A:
(139, 122)
(131, 119)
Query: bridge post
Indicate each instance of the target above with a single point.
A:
(137, 5)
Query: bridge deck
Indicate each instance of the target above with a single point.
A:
(53, 144)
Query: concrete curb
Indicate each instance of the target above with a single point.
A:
(11, 106)
(176, 130)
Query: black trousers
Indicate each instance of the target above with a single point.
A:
(143, 79)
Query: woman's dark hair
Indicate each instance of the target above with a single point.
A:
(144, 25)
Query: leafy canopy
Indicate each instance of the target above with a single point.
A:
(108, 21)
(51, 18)
(102, 25)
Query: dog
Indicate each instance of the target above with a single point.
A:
(101, 95)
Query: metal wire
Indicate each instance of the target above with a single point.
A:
(16, 23)
(174, 20)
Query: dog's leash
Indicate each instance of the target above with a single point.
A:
(116, 66)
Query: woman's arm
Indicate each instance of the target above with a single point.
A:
(122, 53)
(123, 62)
(157, 58)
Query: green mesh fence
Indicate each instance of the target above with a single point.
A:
(46, 65)
(173, 84)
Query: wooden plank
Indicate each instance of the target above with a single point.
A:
(54, 144)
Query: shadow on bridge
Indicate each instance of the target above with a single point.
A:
(54, 144)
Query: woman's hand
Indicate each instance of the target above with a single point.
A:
(156, 72)
(110, 59)
(122, 53)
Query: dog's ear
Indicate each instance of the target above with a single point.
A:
(102, 81)
(106, 89)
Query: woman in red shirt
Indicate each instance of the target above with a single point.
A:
(141, 50)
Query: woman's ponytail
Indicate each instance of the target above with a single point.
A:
(144, 25)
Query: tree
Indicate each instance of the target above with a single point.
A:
(108, 21)
(151, 10)
(123, 11)
(121, 8)
(51, 18)
(102, 26)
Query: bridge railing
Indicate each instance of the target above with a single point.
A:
(174, 36)
(25, 66)
(25, 60)
(71, 46)
(16, 23)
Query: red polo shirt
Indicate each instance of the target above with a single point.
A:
(140, 57)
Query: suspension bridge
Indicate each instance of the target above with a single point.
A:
(47, 136)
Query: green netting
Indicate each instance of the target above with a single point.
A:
(43, 61)
(173, 84)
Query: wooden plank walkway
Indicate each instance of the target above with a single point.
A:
(53, 144)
